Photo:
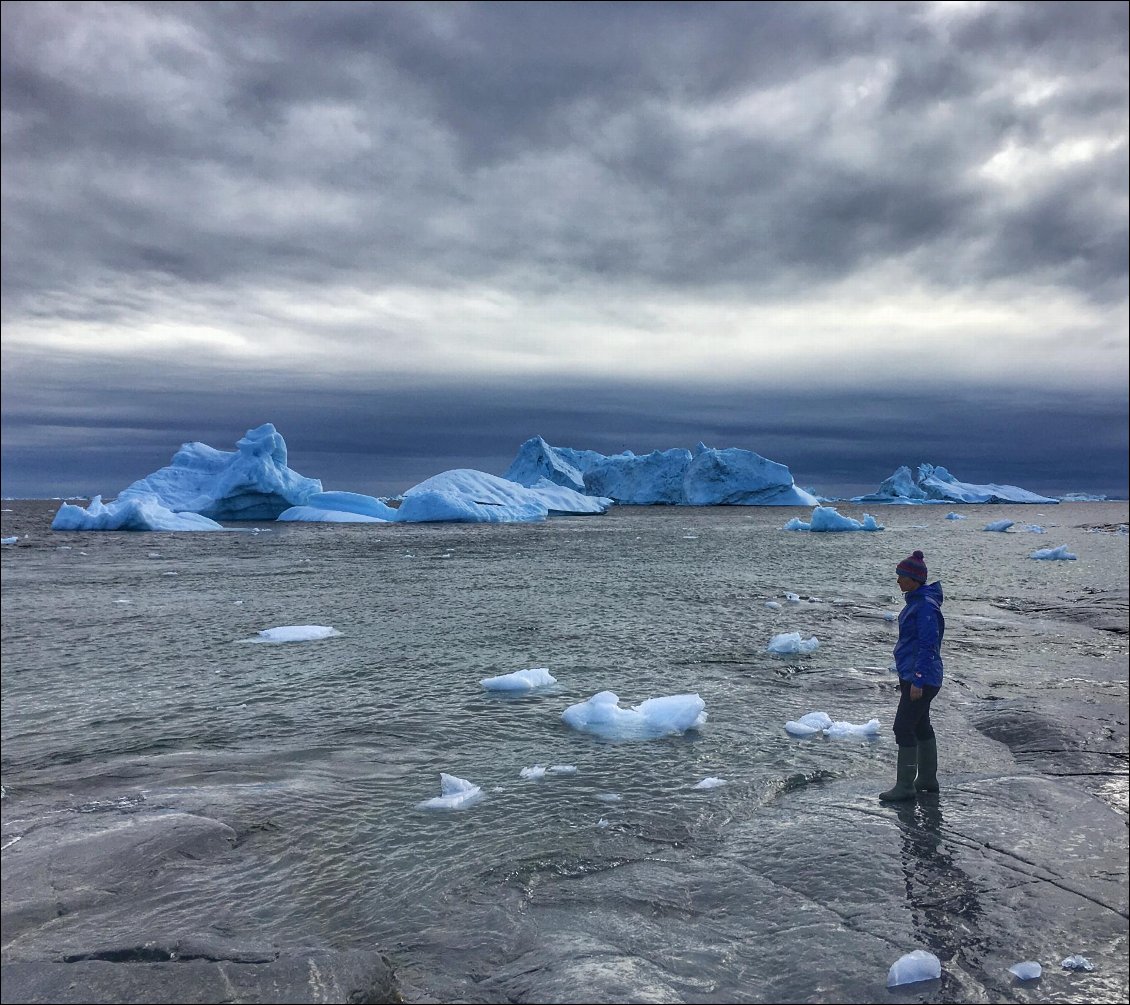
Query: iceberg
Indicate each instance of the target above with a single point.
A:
(520, 680)
(828, 519)
(464, 495)
(455, 794)
(1060, 554)
(674, 477)
(913, 967)
(340, 507)
(251, 483)
(602, 715)
(788, 643)
(934, 484)
(138, 513)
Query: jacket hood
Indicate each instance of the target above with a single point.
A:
(931, 592)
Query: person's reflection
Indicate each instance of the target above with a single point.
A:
(942, 898)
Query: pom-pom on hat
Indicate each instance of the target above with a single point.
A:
(914, 567)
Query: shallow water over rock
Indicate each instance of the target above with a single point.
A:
(166, 786)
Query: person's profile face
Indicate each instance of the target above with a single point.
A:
(906, 584)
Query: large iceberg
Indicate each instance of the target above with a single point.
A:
(675, 477)
(340, 507)
(931, 484)
(464, 495)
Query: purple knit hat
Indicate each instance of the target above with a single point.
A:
(914, 567)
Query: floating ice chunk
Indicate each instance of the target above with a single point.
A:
(711, 783)
(1027, 971)
(954, 516)
(520, 680)
(602, 822)
(610, 797)
(828, 519)
(999, 525)
(562, 769)
(890, 616)
(535, 773)
(455, 794)
(1077, 963)
(913, 967)
(1060, 554)
(851, 730)
(296, 633)
(792, 598)
(1031, 528)
(9, 540)
(791, 642)
(771, 604)
(820, 722)
(602, 715)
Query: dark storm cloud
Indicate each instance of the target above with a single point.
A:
(97, 436)
(440, 143)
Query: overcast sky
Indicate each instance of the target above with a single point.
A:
(847, 236)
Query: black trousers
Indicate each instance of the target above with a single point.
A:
(912, 720)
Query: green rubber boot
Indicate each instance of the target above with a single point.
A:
(907, 768)
(927, 780)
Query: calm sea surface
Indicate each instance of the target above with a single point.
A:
(130, 688)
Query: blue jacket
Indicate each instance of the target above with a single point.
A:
(918, 652)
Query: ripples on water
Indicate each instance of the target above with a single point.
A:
(128, 687)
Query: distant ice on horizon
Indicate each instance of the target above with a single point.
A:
(601, 714)
(676, 477)
(827, 519)
(934, 484)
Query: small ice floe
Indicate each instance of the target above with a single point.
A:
(820, 722)
(828, 519)
(789, 643)
(913, 967)
(711, 783)
(1077, 963)
(296, 633)
(890, 616)
(520, 680)
(9, 540)
(772, 605)
(455, 794)
(792, 598)
(1060, 554)
(1027, 971)
(602, 714)
(602, 822)
(999, 525)
(954, 516)
(610, 797)
(537, 772)
(1031, 528)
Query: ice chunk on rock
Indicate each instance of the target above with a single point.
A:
(1027, 971)
(1060, 554)
(791, 642)
(1077, 963)
(913, 967)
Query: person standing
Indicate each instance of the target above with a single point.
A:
(918, 660)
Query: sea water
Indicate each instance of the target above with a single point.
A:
(128, 690)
